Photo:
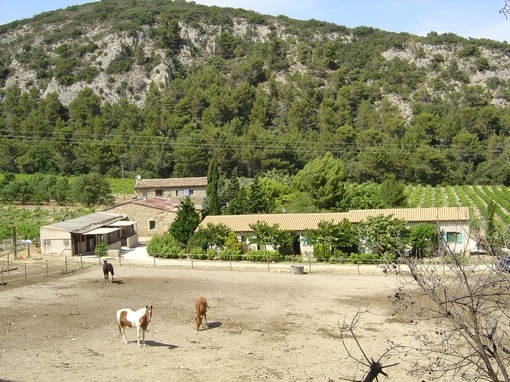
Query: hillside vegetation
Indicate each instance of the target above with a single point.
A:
(157, 88)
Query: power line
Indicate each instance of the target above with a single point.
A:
(236, 144)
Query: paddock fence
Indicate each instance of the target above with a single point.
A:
(301, 265)
(24, 270)
(305, 265)
(32, 268)
(20, 270)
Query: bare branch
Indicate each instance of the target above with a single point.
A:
(374, 367)
(505, 10)
(474, 299)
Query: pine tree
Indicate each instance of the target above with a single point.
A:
(185, 223)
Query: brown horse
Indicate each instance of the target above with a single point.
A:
(107, 268)
(201, 311)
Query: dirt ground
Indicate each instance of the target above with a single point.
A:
(264, 326)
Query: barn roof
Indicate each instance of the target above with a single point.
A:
(414, 215)
(171, 183)
(87, 223)
(301, 222)
(158, 203)
(288, 222)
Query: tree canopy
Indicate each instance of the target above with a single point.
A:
(427, 110)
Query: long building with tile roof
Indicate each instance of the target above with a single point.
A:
(453, 222)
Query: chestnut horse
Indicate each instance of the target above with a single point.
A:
(139, 319)
(201, 311)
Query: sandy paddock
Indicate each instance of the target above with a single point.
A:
(264, 326)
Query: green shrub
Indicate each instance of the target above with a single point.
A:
(234, 253)
(101, 250)
(364, 258)
(165, 246)
(293, 258)
(198, 253)
(389, 257)
(321, 252)
(263, 256)
(212, 254)
(230, 255)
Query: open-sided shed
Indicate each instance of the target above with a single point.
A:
(81, 235)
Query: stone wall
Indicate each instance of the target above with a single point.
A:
(146, 217)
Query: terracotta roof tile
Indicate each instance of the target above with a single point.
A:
(301, 222)
(288, 222)
(414, 215)
(158, 203)
(171, 182)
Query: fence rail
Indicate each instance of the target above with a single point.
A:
(308, 265)
(16, 271)
(23, 270)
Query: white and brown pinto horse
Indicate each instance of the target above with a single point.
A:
(139, 319)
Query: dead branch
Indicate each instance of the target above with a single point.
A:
(374, 367)
(505, 11)
(474, 300)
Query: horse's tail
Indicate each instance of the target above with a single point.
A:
(110, 266)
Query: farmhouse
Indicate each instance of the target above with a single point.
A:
(153, 214)
(149, 214)
(174, 189)
(117, 226)
(452, 223)
(80, 236)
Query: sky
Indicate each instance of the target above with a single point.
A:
(467, 18)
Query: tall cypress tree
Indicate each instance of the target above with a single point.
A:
(213, 179)
(393, 193)
(233, 207)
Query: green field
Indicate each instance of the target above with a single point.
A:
(475, 198)
(122, 186)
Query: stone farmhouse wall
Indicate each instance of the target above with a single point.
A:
(150, 221)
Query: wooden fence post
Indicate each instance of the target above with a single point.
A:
(14, 246)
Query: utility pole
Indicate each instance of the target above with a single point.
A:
(14, 251)
(122, 172)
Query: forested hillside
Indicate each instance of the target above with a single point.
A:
(158, 88)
